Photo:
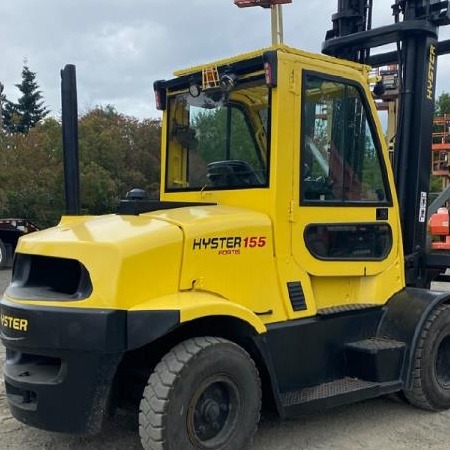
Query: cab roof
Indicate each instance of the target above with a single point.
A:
(279, 48)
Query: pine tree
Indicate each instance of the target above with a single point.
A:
(8, 111)
(2, 101)
(29, 109)
(3, 113)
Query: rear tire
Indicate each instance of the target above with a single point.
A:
(3, 255)
(430, 373)
(205, 394)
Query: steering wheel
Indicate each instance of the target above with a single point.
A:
(232, 173)
(319, 188)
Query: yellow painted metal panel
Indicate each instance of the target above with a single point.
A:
(229, 251)
(282, 49)
(345, 282)
(130, 259)
(196, 305)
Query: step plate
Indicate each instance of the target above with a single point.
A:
(326, 390)
(376, 344)
(346, 308)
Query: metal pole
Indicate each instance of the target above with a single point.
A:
(277, 24)
(70, 139)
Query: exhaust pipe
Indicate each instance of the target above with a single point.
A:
(69, 106)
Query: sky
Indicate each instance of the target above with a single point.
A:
(120, 47)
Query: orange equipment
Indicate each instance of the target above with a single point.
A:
(438, 225)
(210, 77)
(441, 146)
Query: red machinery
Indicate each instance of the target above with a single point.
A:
(438, 227)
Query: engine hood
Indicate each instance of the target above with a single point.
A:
(133, 259)
(211, 219)
(125, 234)
(129, 259)
(75, 235)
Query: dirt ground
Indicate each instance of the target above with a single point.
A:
(370, 425)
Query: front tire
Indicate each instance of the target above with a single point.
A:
(205, 394)
(431, 367)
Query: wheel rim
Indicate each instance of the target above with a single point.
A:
(443, 363)
(213, 413)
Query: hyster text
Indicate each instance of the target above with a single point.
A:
(229, 245)
(14, 323)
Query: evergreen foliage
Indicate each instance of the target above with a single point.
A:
(6, 110)
(20, 117)
(10, 117)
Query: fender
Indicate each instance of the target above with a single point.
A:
(188, 306)
(112, 330)
(406, 313)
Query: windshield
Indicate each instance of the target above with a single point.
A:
(219, 140)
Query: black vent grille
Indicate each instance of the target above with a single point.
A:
(37, 277)
(296, 295)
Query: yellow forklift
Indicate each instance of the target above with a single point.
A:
(285, 263)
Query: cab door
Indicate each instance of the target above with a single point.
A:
(345, 227)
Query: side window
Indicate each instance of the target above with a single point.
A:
(368, 241)
(341, 160)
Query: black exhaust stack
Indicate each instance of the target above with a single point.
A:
(70, 139)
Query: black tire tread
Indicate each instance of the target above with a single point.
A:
(162, 381)
(416, 394)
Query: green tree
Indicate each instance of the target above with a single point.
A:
(2, 102)
(7, 110)
(127, 149)
(442, 104)
(29, 109)
(31, 174)
(117, 153)
(98, 189)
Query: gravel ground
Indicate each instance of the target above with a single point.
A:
(370, 425)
